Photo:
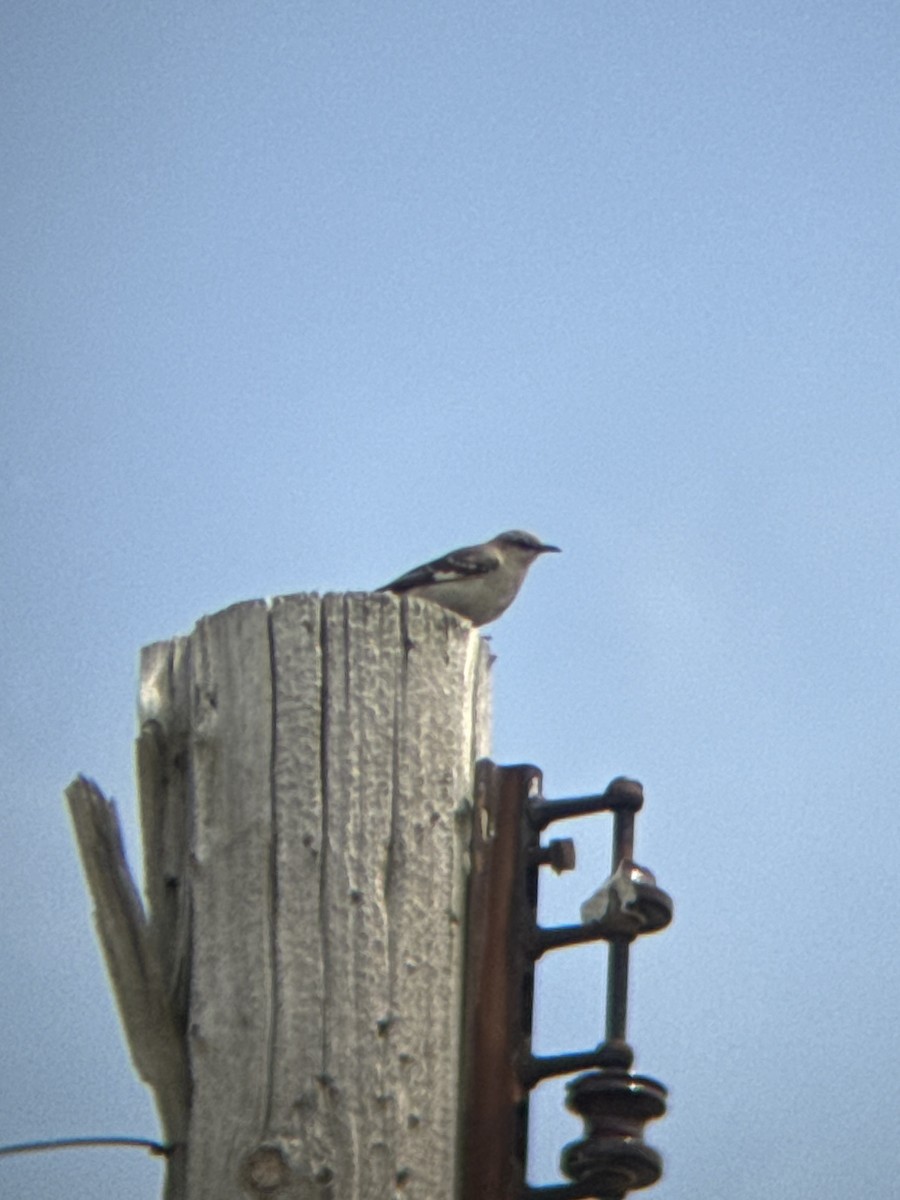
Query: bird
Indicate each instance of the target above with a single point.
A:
(476, 582)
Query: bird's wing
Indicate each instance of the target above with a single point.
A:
(458, 564)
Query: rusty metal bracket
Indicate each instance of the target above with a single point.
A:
(504, 942)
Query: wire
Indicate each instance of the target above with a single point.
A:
(76, 1143)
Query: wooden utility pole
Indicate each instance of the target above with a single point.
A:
(292, 988)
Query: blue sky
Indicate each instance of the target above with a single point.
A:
(297, 295)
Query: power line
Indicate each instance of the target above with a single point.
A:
(78, 1143)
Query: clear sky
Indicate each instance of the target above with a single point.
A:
(296, 295)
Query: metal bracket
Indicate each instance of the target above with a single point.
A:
(504, 942)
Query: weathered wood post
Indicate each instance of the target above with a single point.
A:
(292, 991)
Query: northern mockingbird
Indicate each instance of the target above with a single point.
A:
(477, 582)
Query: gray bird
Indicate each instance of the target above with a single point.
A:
(477, 582)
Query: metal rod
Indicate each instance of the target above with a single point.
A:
(621, 795)
(555, 937)
(543, 812)
(544, 1066)
(617, 961)
(565, 1191)
(623, 837)
(617, 991)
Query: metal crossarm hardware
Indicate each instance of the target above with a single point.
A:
(504, 942)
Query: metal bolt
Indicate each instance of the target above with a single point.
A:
(558, 854)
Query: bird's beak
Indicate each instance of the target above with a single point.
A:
(550, 550)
